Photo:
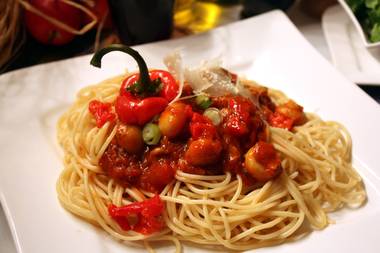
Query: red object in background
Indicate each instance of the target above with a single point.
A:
(44, 31)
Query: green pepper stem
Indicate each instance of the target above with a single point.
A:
(144, 78)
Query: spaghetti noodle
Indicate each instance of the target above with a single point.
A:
(221, 209)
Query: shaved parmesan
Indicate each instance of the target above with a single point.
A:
(209, 77)
(173, 62)
(194, 78)
(221, 83)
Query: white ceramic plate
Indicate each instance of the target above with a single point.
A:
(267, 48)
(348, 53)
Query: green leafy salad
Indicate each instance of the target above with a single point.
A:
(368, 14)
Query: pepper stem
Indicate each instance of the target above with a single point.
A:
(144, 78)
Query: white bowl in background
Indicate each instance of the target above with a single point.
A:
(348, 53)
(358, 26)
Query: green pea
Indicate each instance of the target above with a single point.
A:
(203, 101)
(151, 134)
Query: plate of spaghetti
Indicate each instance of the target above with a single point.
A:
(188, 156)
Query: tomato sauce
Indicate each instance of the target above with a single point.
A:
(198, 147)
(201, 147)
(152, 171)
(156, 137)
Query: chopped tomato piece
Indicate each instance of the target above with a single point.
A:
(238, 117)
(101, 111)
(201, 126)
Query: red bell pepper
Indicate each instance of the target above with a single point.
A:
(148, 213)
(138, 111)
(170, 87)
(142, 95)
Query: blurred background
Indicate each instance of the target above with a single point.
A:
(39, 31)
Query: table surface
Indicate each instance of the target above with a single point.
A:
(311, 28)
